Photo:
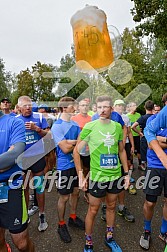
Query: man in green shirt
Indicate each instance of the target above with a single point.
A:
(104, 138)
(133, 117)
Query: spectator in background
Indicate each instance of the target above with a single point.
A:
(6, 107)
(94, 108)
(134, 116)
(16, 109)
(43, 108)
(119, 106)
(149, 107)
(157, 109)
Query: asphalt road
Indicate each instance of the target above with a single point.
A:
(126, 234)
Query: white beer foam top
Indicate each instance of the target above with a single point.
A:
(90, 15)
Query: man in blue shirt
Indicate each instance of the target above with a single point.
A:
(156, 135)
(5, 107)
(13, 213)
(34, 155)
(65, 133)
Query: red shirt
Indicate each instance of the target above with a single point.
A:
(81, 120)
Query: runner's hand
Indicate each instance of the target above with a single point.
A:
(30, 125)
(126, 182)
(83, 184)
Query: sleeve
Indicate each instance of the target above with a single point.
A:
(155, 125)
(8, 158)
(58, 133)
(140, 120)
(85, 134)
(16, 139)
(150, 119)
(95, 117)
(17, 132)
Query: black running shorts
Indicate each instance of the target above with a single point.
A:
(66, 181)
(13, 214)
(100, 189)
(155, 182)
(35, 164)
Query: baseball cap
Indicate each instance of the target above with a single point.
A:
(119, 102)
(5, 99)
(44, 106)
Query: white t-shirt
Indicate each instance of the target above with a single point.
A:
(126, 120)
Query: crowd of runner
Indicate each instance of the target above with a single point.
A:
(83, 149)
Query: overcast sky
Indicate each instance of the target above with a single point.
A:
(40, 30)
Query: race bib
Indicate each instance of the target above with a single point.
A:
(3, 193)
(31, 137)
(108, 161)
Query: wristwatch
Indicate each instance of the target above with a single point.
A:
(126, 173)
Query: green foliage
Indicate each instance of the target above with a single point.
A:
(37, 83)
(66, 83)
(4, 77)
(134, 53)
(152, 15)
(44, 82)
(157, 69)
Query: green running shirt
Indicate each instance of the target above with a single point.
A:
(103, 142)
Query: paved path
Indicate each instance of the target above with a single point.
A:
(126, 234)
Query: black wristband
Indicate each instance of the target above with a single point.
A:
(126, 173)
(166, 140)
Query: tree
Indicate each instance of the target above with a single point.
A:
(4, 92)
(134, 53)
(37, 83)
(65, 85)
(152, 15)
(156, 69)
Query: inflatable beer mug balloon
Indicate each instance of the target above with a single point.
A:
(91, 38)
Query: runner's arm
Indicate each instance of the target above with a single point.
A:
(78, 164)
(66, 146)
(131, 139)
(123, 158)
(124, 128)
(159, 152)
(162, 142)
(7, 159)
(133, 127)
(76, 154)
(40, 131)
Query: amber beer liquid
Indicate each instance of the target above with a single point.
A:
(92, 43)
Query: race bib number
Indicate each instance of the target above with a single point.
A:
(31, 137)
(3, 193)
(108, 161)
